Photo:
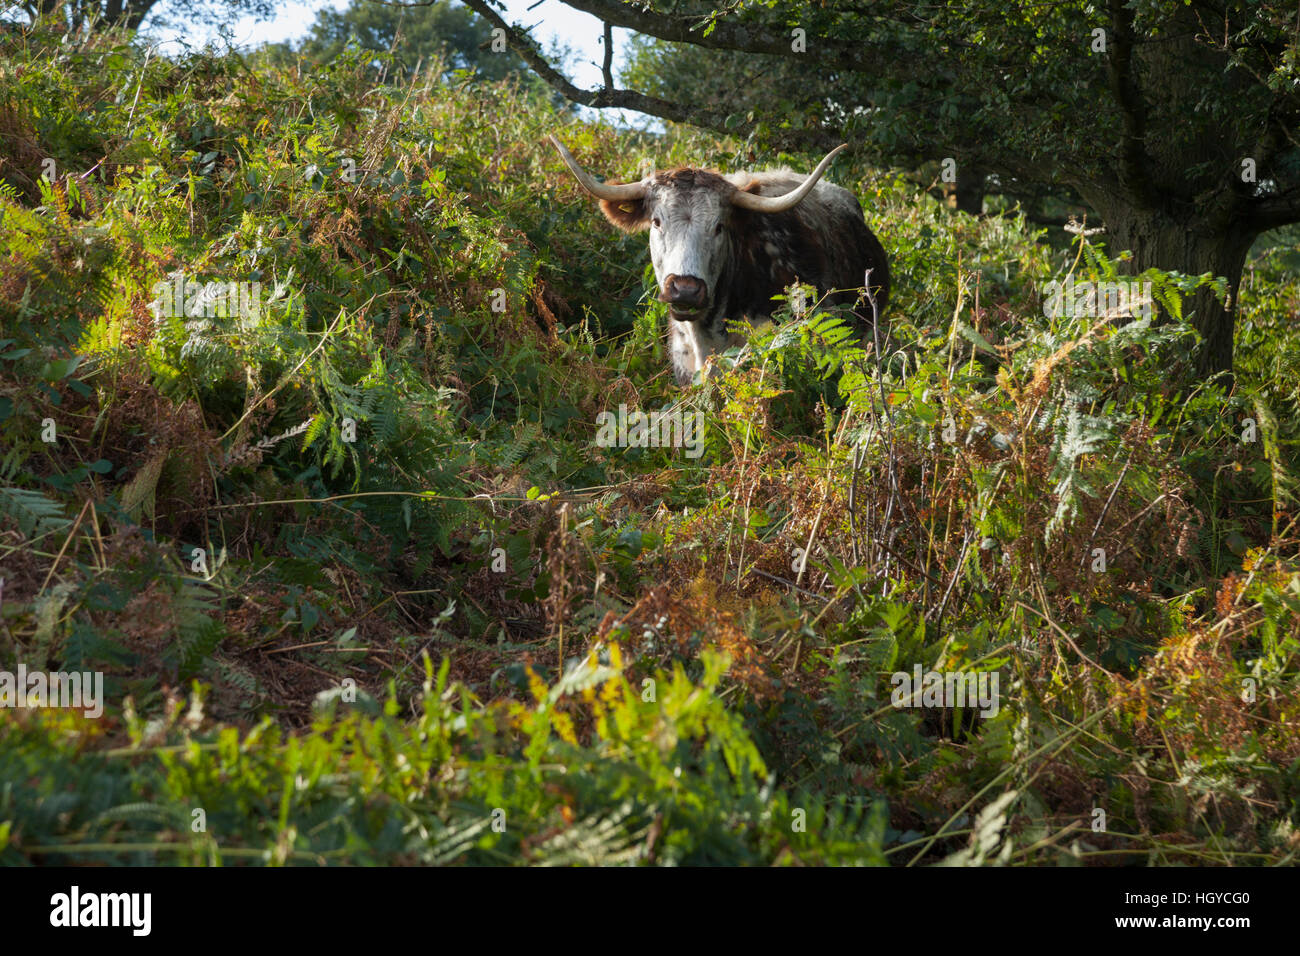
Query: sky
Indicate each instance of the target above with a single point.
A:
(551, 18)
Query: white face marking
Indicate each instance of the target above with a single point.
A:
(688, 234)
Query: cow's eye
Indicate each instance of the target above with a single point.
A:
(656, 223)
(717, 230)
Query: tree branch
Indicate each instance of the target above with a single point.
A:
(524, 45)
(606, 68)
(858, 55)
(1273, 212)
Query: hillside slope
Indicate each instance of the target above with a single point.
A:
(365, 584)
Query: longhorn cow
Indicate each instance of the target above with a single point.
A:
(723, 246)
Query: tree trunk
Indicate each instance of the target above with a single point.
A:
(1159, 240)
(969, 190)
(136, 11)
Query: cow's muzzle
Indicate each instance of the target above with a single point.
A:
(687, 297)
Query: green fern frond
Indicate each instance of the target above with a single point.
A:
(35, 513)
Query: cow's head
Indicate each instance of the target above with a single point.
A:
(694, 217)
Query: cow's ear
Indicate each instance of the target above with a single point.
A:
(753, 186)
(740, 215)
(630, 215)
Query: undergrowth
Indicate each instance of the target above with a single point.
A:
(264, 526)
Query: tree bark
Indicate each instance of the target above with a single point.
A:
(969, 191)
(136, 11)
(1159, 240)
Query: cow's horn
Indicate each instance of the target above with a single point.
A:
(599, 190)
(791, 199)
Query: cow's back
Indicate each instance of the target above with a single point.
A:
(832, 224)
